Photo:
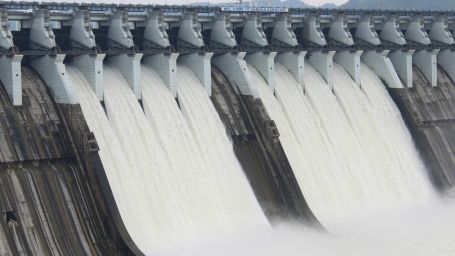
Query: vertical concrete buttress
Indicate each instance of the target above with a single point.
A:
(165, 64)
(322, 61)
(426, 61)
(383, 67)
(130, 67)
(264, 63)
(199, 63)
(350, 61)
(446, 58)
(295, 63)
(234, 67)
(11, 77)
(128, 64)
(402, 62)
(91, 65)
(53, 72)
(10, 66)
(50, 67)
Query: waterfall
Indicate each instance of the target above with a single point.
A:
(337, 143)
(168, 191)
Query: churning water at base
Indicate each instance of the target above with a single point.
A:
(415, 232)
(168, 191)
(337, 144)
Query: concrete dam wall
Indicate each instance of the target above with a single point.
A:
(135, 130)
(48, 206)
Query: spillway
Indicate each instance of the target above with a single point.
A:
(334, 141)
(149, 130)
(217, 151)
(160, 177)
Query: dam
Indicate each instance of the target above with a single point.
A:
(145, 129)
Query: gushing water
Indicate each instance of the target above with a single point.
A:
(213, 145)
(119, 168)
(343, 160)
(166, 192)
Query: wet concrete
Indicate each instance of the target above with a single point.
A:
(258, 148)
(430, 114)
(48, 202)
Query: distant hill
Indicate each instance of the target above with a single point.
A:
(401, 4)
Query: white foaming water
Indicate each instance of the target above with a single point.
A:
(345, 164)
(230, 187)
(417, 231)
(399, 174)
(120, 170)
(182, 205)
(166, 194)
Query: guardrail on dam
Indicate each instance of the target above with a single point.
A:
(407, 49)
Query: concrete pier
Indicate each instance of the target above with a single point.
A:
(323, 63)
